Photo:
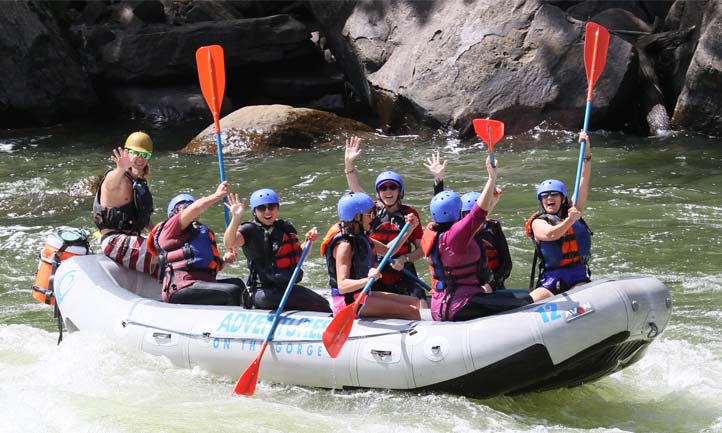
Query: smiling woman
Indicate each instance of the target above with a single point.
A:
(562, 239)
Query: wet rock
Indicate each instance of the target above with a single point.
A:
(262, 127)
(449, 62)
(43, 82)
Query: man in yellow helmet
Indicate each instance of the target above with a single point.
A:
(123, 205)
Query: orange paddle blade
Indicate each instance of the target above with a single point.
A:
(246, 384)
(491, 131)
(596, 43)
(337, 332)
(212, 76)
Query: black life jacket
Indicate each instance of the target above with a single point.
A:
(272, 254)
(362, 260)
(131, 217)
(498, 259)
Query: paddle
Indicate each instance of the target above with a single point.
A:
(490, 131)
(595, 56)
(212, 76)
(414, 277)
(339, 329)
(246, 384)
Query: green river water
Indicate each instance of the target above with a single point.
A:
(654, 207)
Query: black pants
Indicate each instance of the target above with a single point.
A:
(492, 303)
(404, 286)
(220, 292)
(300, 298)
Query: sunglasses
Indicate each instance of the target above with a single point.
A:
(144, 155)
(388, 187)
(271, 207)
(552, 194)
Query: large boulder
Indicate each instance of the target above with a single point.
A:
(42, 81)
(262, 127)
(698, 106)
(449, 62)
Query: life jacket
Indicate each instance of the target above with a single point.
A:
(384, 228)
(361, 261)
(198, 252)
(498, 258)
(473, 272)
(272, 254)
(131, 217)
(573, 247)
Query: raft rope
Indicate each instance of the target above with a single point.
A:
(208, 335)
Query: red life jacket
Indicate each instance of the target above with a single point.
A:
(384, 228)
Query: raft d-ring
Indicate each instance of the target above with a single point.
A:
(381, 354)
(653, 330)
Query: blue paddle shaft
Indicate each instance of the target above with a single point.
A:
(582, 149)
(491, 159)
(287, 292)
(222, 170)
(387, 256)
(411, 275)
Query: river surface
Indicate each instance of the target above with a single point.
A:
(654, 207)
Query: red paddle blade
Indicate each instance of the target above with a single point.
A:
(246, 384)
(212, 76)
(596, 43)
(337, 332)
(491, 131)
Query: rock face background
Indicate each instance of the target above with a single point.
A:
(399, 66)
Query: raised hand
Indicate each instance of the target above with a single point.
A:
(222, 190)
(353, 149)
(574, 214)
(412, 220)
(235, 206)
(122, 159)
(435, 166)
(492, 169)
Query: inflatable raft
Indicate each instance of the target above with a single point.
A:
(564, 341)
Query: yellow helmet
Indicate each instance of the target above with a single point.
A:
(139, 141)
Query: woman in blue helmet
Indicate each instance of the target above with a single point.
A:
(462, 290)
(272, 250)
(350, 262)
(490, 237)
(389, 217)
(561, 237)
(188, 257)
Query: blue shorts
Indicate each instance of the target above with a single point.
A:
(560, 280)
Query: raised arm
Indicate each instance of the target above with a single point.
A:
(232, 238)
(486, 200)
(436, 167)
(353, 150)
(586, 173)
(199, 206)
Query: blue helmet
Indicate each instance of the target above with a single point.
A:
(263, 196)
(175, 201)
(352, 204)
(390, 176)
(551, 185)
(468, 200)
(445, 207)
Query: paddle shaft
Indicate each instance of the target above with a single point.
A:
(591, 78)
(414, 277)
(246, 384)
(491, 146)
